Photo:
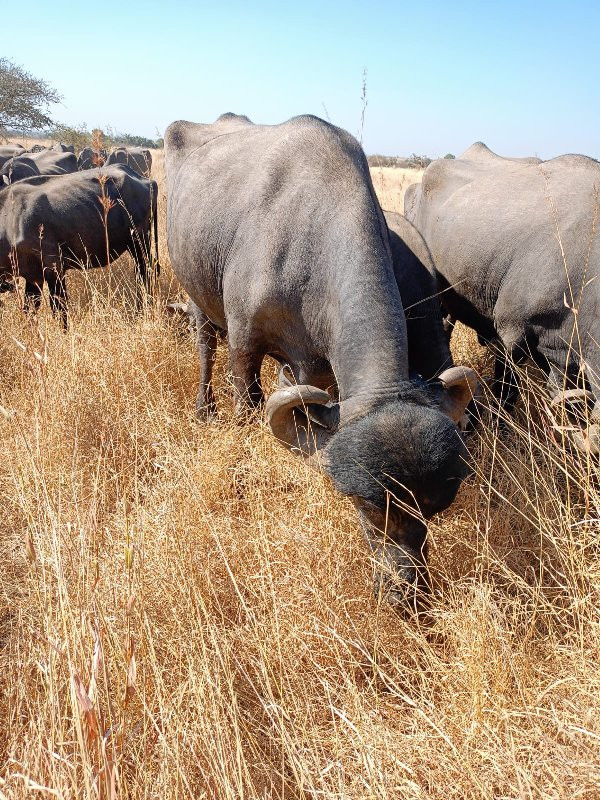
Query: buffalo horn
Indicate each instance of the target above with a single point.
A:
(571, 396)
(293, 430)
(461, 386)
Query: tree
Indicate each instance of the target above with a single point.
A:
(77, 135)
(24, 99)
(449, 155)
(418, 162)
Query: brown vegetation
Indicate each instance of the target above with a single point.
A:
(186, 610)
(391, 183)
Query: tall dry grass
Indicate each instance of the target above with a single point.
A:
(186, 610)
(391, 184)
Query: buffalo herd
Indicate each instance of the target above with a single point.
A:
(276, 234)
(58, 212)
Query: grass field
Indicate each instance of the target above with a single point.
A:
(391, 184)
(186, 609)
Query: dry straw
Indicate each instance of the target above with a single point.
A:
(186, 610)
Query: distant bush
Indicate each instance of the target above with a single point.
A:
(129, 140)
(418, 162)
(383, 161)
(412, 162)
(449, 155)
(79, 136)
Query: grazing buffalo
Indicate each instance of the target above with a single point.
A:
(428, 350)
(8, 151)
(15, 169)
(276, 234)
(51, 162)
(90, 159)
(515, 246)
(46, 162)
(51, 224)
(138, 158)
(63, 148)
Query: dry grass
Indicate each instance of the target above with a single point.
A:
(28, 141)
(186, 610)
(391, 183)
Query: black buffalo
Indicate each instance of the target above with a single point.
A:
(428, 349)
(515, 246)
(51, 224)
(138, 158)
(15, 169)
(89, 158)
(59, 147)
(42, 162)
(8, 151)
(276, 234)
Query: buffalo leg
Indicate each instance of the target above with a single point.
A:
(506, 383)
(245, 368)
(57, 289)
(140, 250)
(33, 297)
(206, 344)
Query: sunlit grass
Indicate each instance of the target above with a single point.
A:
(186, 610)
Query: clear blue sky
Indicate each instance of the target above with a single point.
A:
(523, 77)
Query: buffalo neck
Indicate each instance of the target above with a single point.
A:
(368, 348)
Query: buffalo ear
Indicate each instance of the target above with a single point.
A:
(460, 386)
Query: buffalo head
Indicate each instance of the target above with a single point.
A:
(400, 459)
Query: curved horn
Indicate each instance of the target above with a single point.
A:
(594, 439)
(571, 396)
(586, 437)
(588, 440)
(294, 429)
(285, 377)
(461, 385)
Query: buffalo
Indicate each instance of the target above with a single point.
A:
(49, 224)
(89, 158)
(42, 162)
(428, 349)
(276, 234)
(517, 255)
(8, 151)
(15, 169)
(138, 158)
(59, 147)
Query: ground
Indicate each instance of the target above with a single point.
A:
(186, 610)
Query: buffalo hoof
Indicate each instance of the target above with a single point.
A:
(406, 589)
(206, 413)
(405, 598)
